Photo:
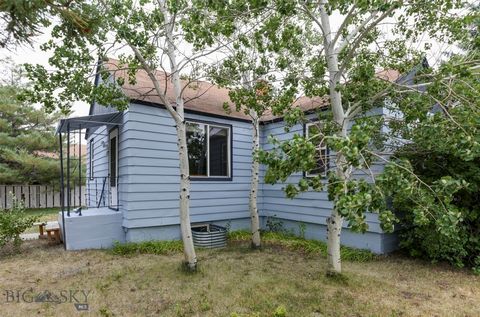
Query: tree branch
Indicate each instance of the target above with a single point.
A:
(359, 39)
(344, 24)
(352, 34)
(314, 19)
(154, 80)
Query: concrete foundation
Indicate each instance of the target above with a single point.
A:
(96, 228)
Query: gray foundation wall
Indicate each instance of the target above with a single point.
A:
(376, 242)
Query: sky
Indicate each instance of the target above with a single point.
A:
(33, 55)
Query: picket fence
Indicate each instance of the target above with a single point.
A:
(39, 196)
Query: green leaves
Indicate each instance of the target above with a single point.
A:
(437, 223)
(275, 53)
(354, 198)
(440, 208)
(288, 157)
(13, 222)
(315, 183)
(25, 19)
(27, 136)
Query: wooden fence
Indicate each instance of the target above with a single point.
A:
(39, 196)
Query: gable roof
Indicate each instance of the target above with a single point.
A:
(199, 96)
(208, 98)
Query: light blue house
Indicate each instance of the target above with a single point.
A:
(133, 173)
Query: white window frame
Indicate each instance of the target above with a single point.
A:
(90, 158)
(324, 147)
(229, 148)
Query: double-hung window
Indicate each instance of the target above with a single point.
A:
(313, 131)
(208, 150)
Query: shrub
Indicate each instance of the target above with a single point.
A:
(13, 222)
(450, 232)
(274, 224)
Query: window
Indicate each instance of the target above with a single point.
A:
(313, 131)
(208, 150)
(113, 161)
(90, 158)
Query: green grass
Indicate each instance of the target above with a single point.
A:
(306, 246)
(235, 281)
(43, 212)
(147, 247)
(277, 239)
(44, 215)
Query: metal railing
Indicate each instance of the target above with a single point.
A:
(101, 193)
(96, 192)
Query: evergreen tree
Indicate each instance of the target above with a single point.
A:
(21, 20)
(26, 134)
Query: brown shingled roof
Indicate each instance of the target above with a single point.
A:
(305, 103)
(205, 97)
(199, 96)
(73, 152)
(388, 75)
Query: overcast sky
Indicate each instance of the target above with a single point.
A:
(33, 55)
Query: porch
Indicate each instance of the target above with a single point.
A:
(98, 225)
(95, 228)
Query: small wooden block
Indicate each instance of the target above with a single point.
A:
(41, 229)
(53, 235)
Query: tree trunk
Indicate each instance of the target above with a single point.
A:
(185, 227)
(256, 242)
(334, 229)
(334, 222)
(178, 115)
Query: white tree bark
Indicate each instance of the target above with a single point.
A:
(185, 226)
(178, 116)
(342, 118)
(255, 222)
(335, 221)
(334, 230)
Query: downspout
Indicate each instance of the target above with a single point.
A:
(62, 191)
(80, 170)
(68, 168)
(118, 168)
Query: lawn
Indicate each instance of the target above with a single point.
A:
(44, 215)
(235, 282)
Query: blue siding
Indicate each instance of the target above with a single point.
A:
(149, 182)
(100, 162)
(309, 207)
(150, 168)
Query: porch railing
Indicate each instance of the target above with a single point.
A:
(96, 192)
(100, 192)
